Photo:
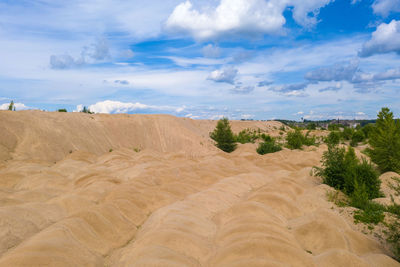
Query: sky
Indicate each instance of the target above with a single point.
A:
(241, 59)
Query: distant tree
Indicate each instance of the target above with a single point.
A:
(224, 136)
(333, 138)
(86, 110)
(294, 139)
(384, 140)
(311, 126)
(62, 110)
(11, 106)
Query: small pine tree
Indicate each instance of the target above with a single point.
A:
(223, 135)
(385, 142)
(11, 106)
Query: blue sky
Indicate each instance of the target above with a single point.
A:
(251, 59)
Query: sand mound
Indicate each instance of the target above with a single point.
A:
(177, 202)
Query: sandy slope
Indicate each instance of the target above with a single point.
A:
(177, 202)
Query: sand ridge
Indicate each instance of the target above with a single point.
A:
(164, 205)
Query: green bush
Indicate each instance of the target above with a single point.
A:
(347, 133)
(371, 213)
(359, 198)
(342, 170)
(357, 137)
(333, 138)
(333, 127)
(333, 170)
(266, 138)
(309, 141)
(367, 129)
(62, 110)
(246, 136)
(294, 139)
(268, 147)
(223, 136)
(311, 126)
(385, 142)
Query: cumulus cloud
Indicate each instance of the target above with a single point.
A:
(335, 88)
(296, 89)
(18, 106)
(385, 7)
(109, 106)
(245, 17)
(226, 75)
(211, 51)
(90, 54)
(337, 72)
(385, 39)
(242, 89)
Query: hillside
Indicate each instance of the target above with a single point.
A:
(66, 200)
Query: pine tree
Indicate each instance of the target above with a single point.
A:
(385, 142)
(11, 106)
(223, 135)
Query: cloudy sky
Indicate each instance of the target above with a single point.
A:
(259, 59)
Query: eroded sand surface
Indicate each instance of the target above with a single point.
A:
(177, 202)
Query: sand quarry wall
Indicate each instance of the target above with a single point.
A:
(163, 206)
(51, 135)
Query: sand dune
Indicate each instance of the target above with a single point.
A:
(177, 202)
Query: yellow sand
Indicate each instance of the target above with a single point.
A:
(177, 202)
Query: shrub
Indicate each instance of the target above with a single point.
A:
(268, 147)
(357, 137)
(62, 110)
(333, 138)
(246, 136)
(309, 141)
(366, 174)
(367, 129)
(371, 213)
(333, 170)
(359, 198)
(311, 126)
(342, 170)
(333, 127)
(223, 136)
(385, 142)
(11, 106)
(347, 133)
(294, 139)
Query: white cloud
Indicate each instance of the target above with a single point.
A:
(385, 7)
(245, 17)
(385, 39)
(337, 72)
(226, 75)
(242, 89)
(95, 52)
(18, 106)
(211, 51)
(109, 106)
(335, 88)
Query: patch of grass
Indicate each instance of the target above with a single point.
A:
(111, 150)
(136, 149)
(395, 186)
(393, 237)
(371, 213)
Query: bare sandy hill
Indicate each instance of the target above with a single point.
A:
(177, 202)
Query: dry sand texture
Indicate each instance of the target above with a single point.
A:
(177, 202)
